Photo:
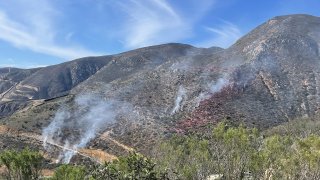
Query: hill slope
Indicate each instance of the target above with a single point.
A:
(269, 76)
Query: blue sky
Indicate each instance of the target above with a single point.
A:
(37, 33)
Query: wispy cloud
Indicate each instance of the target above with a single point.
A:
(23, 65)
(223, 35)
(156, 21)
(7, 65)
(36, 30)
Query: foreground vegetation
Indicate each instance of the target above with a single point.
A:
(240, 153)
(27, 165)
(290, 151)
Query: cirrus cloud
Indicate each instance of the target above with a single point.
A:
(157, 21)
(36, 30)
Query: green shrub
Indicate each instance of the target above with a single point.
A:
(107, 171)
(132, 167)
(184, 156)
(69, 172)
(22, 165)
(238, 153)
(226, 151)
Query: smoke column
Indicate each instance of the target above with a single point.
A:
(212, 88)
(180, 96)
(217, 86)
(73, 128)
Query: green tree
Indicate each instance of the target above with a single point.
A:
(234, 150)
(135, 167)
(185, 157)
(21, 165)
(132, 167)
(69, 172)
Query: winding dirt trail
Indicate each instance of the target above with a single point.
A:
(95, 155)
(7, 91)
(106, 136)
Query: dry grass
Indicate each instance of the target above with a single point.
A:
(98, 154)
(106, 136)
(47, 172)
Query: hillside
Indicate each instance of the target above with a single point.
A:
(133, 99)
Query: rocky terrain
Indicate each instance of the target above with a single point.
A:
(269, 76)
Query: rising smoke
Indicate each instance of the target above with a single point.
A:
(218, 85)
(182, 94)
(212, 88)
(73, 128)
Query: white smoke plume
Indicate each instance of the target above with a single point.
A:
(73, 128)
(182, 94)
(212, 88)
(184, 65)
(218, 85)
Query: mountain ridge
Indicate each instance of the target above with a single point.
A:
(268, 77)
